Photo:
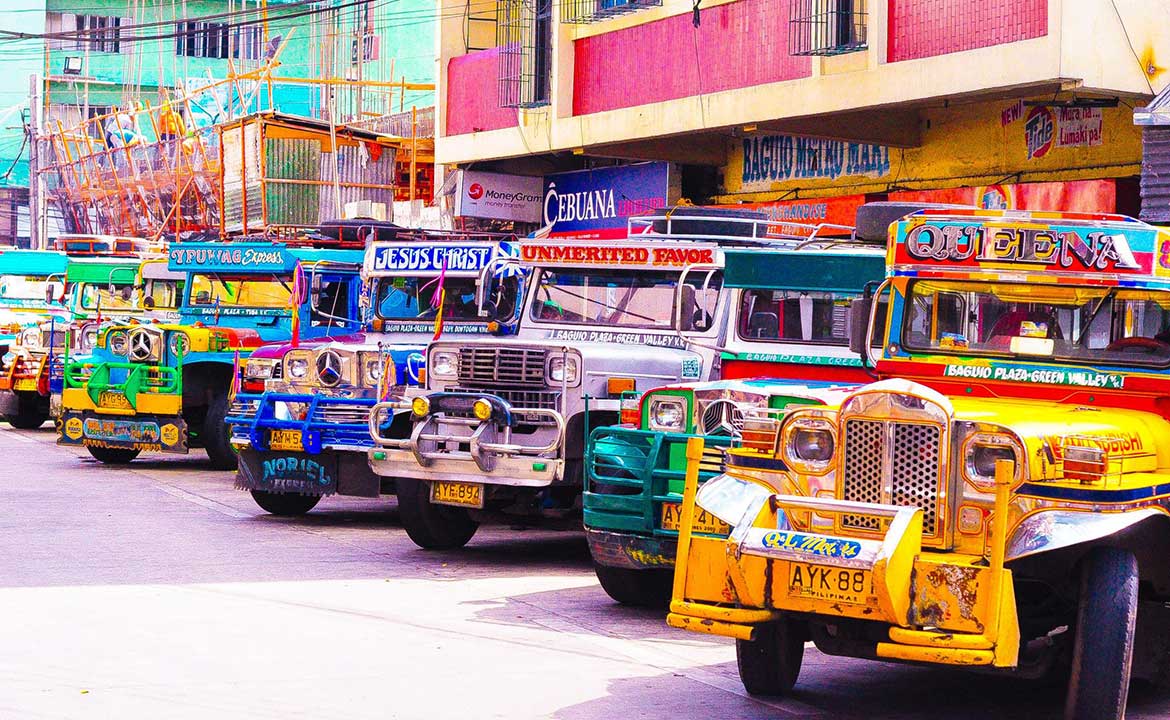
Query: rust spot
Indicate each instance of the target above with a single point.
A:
(1149, 64)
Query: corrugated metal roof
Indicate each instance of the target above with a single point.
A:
(1156, 174)
(1157, 112)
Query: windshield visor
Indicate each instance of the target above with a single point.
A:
(1083, 325)
(254, 291)
(624, 298)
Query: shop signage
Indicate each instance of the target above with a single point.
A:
(496, 196)
(461, 257)
(777, 158)
(1046, 128)
(624, 255)
(597, 203)
(832, 211)
(1074, 195)
(230, 257)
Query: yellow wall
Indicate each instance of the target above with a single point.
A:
(969, 144)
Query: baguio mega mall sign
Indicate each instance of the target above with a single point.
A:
(597, 203)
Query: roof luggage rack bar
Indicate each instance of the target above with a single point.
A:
(728, 227)
(109, 246)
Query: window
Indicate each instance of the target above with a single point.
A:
(588, 11)
(202, 39)
(408, 298)
(1090, 325)
(524, 36)
(29, 287)
(252, 291)
(623, 298)
(104, 297)
(249, 41)
(799, 317)
(330, 307)
(95, 33)
(826, 27)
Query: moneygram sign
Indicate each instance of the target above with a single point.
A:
(597, 203)
(498, 197)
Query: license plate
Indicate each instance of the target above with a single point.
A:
(26, 384)
(115, 401)
(461, 494)
(288, 440)
(821, 582)
(705, 522)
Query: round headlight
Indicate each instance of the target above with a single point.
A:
(31, 337)
(117, 342)
(88, 339)
(178, 344)
(981, 459)
(812, 445)
(443, 364)
(482, 409)
(667, 414)
(373, 371)
(298, 368)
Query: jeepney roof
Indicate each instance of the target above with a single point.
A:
(1029, 247)
(32, 262)
(422, 257)
(252, 257)
(102, 270)
(805, 270)
(158, 270)
(642, 254)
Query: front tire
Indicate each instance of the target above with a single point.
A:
(770, 664)
(1103, 649)
(639, 588)
(217, 436)
(432, 527)
(112, 456)
(31, 413)
(285, 504)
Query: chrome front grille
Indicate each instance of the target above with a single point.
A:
(896, 463)
(492, 367)
(348, 414)
(243, 408)
(530, 399)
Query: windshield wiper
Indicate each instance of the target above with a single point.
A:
(1093, 316)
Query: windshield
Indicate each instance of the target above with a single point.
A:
(27, 287)
(1069, 323)
(624, 298)
(330, 307)
(164, 294)
(94, 297)
(254, 291)
(795, 316)
(408, 298)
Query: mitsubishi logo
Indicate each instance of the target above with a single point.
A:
(723, 418)
(329, 368)
(141, 344)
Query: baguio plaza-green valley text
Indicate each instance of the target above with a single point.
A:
(664, 359)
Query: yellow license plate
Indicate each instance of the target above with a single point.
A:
(26, 384)
(833, 584)
(115, 401)
(288, 440)
(461, 494)
(705, 522)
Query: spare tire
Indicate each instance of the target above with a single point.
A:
(875, 218)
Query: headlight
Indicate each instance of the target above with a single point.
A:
(31, 337)
(562, 369)
(117, 342)
(372, 367)
(443, 365)
(296, 365)
(668, 413)
(809, 444)
(88, 339)
(981, 451)
(178, 344)
(259, 368)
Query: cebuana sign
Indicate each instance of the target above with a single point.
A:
(596, 203)
(498, 197)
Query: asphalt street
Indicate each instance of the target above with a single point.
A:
(157, 590)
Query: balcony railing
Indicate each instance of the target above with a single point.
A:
(826, 27)
(591, 11)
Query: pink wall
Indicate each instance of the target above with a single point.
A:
(925, 28)
(737, 45)
(472, 101)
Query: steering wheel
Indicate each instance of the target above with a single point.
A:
(1142, 344)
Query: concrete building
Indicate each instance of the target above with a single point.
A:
(806, 108)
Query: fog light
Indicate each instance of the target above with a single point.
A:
(482, 409)
(420, 406)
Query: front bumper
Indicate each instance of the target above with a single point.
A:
(323, 473)
(940, 608)
(150, 433)
(450, 446)
(324, 422)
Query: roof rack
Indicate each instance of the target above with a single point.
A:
(738, 227)
(109, 246)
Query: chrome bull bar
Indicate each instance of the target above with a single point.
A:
(483, 445)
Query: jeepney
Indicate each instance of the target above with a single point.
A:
(305, 435)
(165, 387)
(99, 288)
(790, 320)
(999, 500)
(500, 433)
(28, 280)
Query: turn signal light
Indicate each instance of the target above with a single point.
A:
(1085, 464)
(618, 385)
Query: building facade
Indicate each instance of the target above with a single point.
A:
(806, 108)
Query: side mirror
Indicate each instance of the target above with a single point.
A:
(126, 292)
(148, 302)
(314, 289)
(203, 297)
(859, 312)
(50, 296)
